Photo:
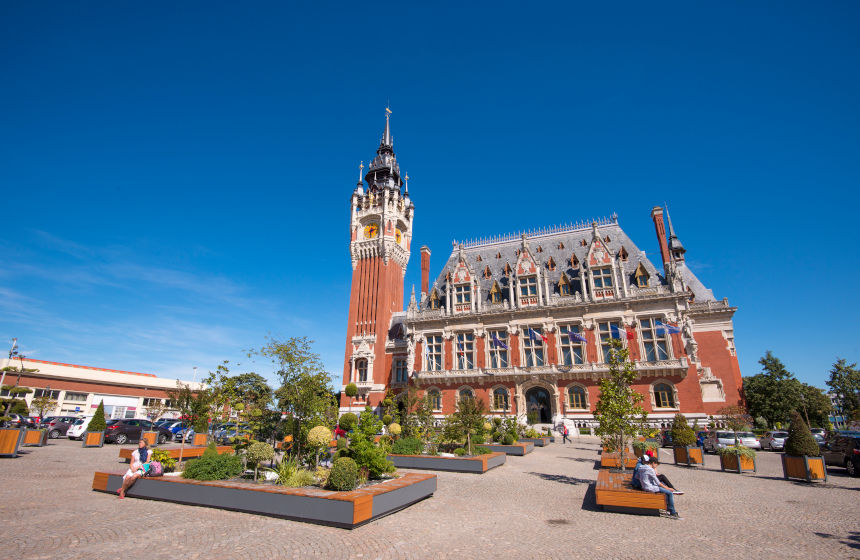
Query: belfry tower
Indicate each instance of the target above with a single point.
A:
(380, 235)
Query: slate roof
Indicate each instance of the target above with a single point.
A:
(547, 245)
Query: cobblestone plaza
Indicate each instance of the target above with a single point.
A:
(537, 506)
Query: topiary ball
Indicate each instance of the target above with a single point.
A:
(497, 421)
(459, 452)
(394, 429)
(387, 419)
(343, 475)
(319, 436)
(260, 451)
(507, 439)
(348, 421)
(487, 426)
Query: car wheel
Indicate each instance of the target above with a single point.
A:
(54, 434)
(161, 439)
(121, 439)
(851, 468)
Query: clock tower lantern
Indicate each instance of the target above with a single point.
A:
(380, 236)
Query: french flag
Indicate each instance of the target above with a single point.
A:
(671, 329)
(535, 335)
(619, 333)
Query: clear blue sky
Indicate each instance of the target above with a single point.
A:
(176, 176)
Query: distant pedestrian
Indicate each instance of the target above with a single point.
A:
(139, 467)
(564, 434)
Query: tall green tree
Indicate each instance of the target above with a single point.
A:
(814, 405)
(469, 419)
(844, 382)
(193, 406)
(305, 393)
(619, 413)
(774, 393)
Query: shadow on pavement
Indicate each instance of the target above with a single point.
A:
(562, 478)
(852, 540)
(589, 502)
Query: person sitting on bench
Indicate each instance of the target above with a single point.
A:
(650, 483)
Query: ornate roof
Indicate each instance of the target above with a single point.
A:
(384, 171)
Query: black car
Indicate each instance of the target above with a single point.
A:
(843, 451)
(124, 430)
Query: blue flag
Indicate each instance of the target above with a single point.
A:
(498, 343)
(576, 337)
(663, 328)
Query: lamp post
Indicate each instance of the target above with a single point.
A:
(12, 352)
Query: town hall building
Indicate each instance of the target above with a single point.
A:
(524, 322)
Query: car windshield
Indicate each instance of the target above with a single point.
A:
(79, 421)
(725, 435)
(746, 434)
(780, 434)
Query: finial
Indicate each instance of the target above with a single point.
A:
(669, 219)
(387, 138)
(406, 184)
(360, 170)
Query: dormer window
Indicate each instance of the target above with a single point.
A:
(574, 262)
(487, 272)
(434, 300)
(622, 254)
(528, 286)
(564, 285)
(507, 269)
(551, 264)
(463, 293)
(495, 293)
(602, 277)
(641, 276)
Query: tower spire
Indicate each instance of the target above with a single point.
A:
(383, 171)
(386, 139)
(676, 248)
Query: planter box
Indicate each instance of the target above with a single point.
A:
(639, 453)
(613, 460)
(690, 456)
(518, 449)
(311, 505)
(10, 441)
(807, 468)
(738, 464)
(605, 449)
(539, 442)
(151, 438)
(187, 453)
(478, 464)
(38, 438)
(93, 439)
(200, 440)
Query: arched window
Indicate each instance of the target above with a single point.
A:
(664, 396)
(500, 399)
(435, 398)
(577, 397)
(361, 370)
(466, 393)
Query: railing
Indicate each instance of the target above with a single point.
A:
(563, 228)
(643, 366)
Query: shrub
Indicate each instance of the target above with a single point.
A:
(351, 390)
(642, 446)
(319, 437)
(497, 421)
(291, 475)
(213, 467)
(98, 424)
(343, 475)
(478, 439)
(800, 440)
(164, 458)
(407, 446)
(682, 434)
(481, 450)
(321, 475)
(342, 443)
(348, 421)
(459, 452)
(497, 436)
(532, 433)
(741, 450)
(386, 419)
(260, 451)
(487, 426)
(507, 439)
(394, 429)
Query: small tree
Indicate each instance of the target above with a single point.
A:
(800, 440)
(682, 434)
(351, 391)
(190, 405)
(98, 423)
(619, 414)
(42, 404)
(156, 408)
(469, 419)
(259, 452)
(736, 419)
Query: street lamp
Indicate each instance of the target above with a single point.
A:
(12, 352)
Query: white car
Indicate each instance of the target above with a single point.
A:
(748, 439)
(76, 430)
(775, 441)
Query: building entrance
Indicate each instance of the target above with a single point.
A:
(538, 406)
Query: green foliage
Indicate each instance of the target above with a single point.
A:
(386, 419)
(760, 423)
(164, 458)
(98, 423)
(643, 446)
(532, 417)
(481, 450)
(507, 439)
(342, 443)
(343, 475)
(844, 381)
(192, 406)
(736, 419)
(290, 474)
(800, 440)
(348, 421)
(742, 450)
(585, 431)
(469, 419)
(408, 446)
(459, 452)
(497, 436)
(259, 451)
(319, 437)
(532, 433)
(618, 411)
(497, 421)
(321, 475)
(211, 450)
(682, 434)
(41, 405)
(395, 429)
(213, 467)
(364, 450)
(351, 390)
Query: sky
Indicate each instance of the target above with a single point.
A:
(176, 177)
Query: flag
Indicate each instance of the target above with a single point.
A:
(663, 328)
(498, 343)
(575, 337)
(536, 335)
(616, 332)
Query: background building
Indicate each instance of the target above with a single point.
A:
(524, 321)
(78, 390)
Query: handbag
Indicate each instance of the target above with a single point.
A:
(155, 469)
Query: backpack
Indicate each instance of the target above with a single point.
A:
(155, 469)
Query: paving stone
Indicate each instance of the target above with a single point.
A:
(537, 506)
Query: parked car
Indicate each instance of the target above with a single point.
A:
(16, 420)
(718, 440)
(227, 434)
(58, 425)
(32, 422)
(774, 441)
(124, 430)
(819, 431)
(187, 433)
(77, 429)
(666, 438)
(843, 451)
(748, 439)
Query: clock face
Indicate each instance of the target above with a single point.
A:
(371, 230)
(397, 235)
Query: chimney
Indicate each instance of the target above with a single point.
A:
(425, 269)
(657, 216)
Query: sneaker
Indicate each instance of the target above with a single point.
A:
(677, 492)
(675, 516)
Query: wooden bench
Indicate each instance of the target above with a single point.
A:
(188, 453)
(614, 493)
(613, 460)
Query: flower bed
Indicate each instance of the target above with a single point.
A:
(477, 464)
(311, 505)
